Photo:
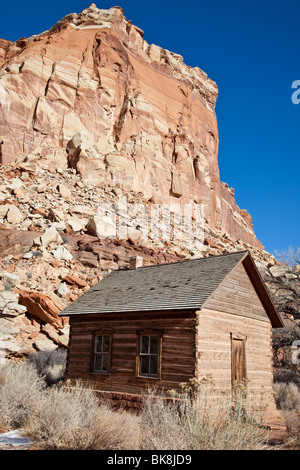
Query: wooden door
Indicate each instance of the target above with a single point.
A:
(238, 362)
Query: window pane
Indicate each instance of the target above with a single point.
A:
(98, 344)
(144, 365)
(144, 344)
(98, 362)
(105, 363)
(153, 365)
(153, 344)
(106, 343)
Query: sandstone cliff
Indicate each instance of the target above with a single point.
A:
(92, 94)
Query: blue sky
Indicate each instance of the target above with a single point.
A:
(250, 48)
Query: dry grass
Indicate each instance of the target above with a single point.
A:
(292, 421)
(287, 396)
(204, 422)
(61, 417)
(20, 390)
(72, 418)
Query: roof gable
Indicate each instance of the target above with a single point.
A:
(236, 295)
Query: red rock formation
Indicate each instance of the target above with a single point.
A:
(4, 45)
(92, 93)
(41, 306)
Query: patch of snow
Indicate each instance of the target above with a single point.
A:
(14, 438)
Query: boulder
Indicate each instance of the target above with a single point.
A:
(4, 208)
(44, 344)
(8, 327)
(61, 253)
(49, 236)
(278, 271)
(9, 344)
(12, 309)
(7, 297)
(41, 306)
(88, 259)
(85, 211)
(16, 183)
(75, 224)
(64, 191)
(63, 340)
(63, 290)
(75, 280)
(14, 216)
(9, 280)
(51, 332)
(56, 215)
(73, 149)
(102, 227)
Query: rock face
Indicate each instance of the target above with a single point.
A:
(93, 95)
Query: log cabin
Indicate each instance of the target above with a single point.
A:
(161, 325)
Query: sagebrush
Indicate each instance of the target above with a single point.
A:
(51, 364)
(20, 391)
(202, 422)
(72, 418)
(287, 396)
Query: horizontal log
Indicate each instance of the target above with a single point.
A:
(174, 358)
(177, 370)
(168, 377)
(215, 317)
(180, 349)
(239, 311)
(171, 340)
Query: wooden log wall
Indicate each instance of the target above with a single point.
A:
(177, 354)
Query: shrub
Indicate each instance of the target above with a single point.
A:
(20, 389)
(203, 422)
(50, 364)
(287, 396)
(286, 376)
(72, 418)
(292, 421)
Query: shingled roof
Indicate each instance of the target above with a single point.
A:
(182, 285)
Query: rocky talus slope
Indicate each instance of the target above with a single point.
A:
(97, 129)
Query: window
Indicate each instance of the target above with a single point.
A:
(149, 355)
(101, 356)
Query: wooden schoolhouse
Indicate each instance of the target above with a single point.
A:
(162, 325)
